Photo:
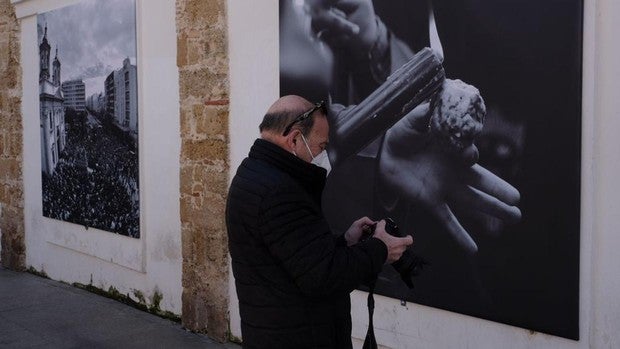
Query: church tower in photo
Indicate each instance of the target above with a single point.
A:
(52, 112)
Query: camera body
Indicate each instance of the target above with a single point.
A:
(408, 265)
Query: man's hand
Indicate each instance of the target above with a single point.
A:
(414, 168)
(349, 23)
(353, 234)
(395, 245)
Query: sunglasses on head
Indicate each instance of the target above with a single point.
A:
(305, 115)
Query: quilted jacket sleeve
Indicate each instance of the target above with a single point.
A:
(298, 236)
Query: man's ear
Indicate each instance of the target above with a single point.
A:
(291, 139)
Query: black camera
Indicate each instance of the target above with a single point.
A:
(409, 264)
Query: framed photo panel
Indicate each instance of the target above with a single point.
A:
(88, 93)
(499, 239)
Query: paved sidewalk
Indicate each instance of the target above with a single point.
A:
(40, 313)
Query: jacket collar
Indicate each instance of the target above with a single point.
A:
(309, 176)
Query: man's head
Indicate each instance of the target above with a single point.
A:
(297, 126)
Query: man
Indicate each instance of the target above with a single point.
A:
(293, 276)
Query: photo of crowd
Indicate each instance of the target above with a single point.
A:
(89, 115)
(96, 181)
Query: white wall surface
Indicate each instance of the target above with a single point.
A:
(254, 86)
(605, 271)
(71, 253)
(253, 49)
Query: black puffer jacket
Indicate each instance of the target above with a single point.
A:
(293, 276)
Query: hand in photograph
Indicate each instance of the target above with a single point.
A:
(414, 167)
(351, 23)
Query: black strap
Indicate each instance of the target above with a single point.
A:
(370, 342)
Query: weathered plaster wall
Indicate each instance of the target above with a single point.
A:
(203, 78)
(12, 244)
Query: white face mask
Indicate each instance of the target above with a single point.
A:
(321, 160)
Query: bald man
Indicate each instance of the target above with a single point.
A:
(293, 276)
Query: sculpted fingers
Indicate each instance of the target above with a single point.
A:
(470, 155)
(455, 229)
(484, 180)
(417, 119)
(410, 132)
(492, 225)
(331, 23)
(470, 198)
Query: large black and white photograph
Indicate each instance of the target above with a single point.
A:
(461, 122)
(88, 92)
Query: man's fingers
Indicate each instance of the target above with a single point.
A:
(364, 221)
(470, 198)
(380, 225)
(455, 229)
(408, 240)
(484, 180)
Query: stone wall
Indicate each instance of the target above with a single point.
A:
(13, 250)
(204, 89)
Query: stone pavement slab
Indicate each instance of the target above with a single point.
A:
(41, 313)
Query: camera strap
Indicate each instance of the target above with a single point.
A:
(370, 342)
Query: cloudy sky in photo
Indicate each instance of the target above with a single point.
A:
(93, 37)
